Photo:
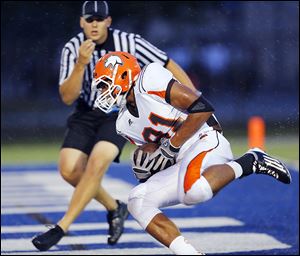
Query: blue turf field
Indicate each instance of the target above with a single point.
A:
(253, 216)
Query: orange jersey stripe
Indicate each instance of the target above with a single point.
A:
(161, 94)
(193, 170)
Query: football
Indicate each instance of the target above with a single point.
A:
(148, 148)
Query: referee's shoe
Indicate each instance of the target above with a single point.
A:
(116, 221)
(45, 241)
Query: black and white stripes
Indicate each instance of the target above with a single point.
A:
(117, 41)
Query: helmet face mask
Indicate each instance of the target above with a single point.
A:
(107, 96)
(114, 74)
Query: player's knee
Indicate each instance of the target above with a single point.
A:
(199, 192)
(135, 200)
(142, 209)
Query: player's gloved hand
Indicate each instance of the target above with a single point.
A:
(142, 165)
(165, 155)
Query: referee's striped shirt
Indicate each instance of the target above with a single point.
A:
(117, 40)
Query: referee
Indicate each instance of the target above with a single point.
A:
(91, 143)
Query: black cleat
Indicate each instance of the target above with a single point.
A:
(265, 164)
(116, 221)
(44, 241)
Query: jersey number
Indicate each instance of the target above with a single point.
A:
(152, 135)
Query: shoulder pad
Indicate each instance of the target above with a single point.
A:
(154, 77)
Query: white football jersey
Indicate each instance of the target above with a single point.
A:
(153, 117)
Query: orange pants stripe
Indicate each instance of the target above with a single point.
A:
(193, 170)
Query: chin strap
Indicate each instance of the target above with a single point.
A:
(121, 100)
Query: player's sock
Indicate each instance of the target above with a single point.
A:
(180, 246)
(242, 166)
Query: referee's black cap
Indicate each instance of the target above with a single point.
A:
(95, 9)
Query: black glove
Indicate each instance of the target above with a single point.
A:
(142, 165)
(164, 156)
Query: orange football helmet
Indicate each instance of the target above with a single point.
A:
(114, 74)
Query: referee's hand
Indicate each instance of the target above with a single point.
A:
(85, 51)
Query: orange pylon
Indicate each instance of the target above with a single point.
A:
(256, 132)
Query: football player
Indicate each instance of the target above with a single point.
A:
(193, 161)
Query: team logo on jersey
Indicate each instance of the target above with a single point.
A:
(130, 122)
(112, 60)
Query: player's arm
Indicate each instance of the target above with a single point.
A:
(195, 105)
(180, 74)
(70, 89)
(198, 109)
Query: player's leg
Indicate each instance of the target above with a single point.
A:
(144, 203)
(212, 150)
(166, 232)
(218, 150)
(257, 161)
(253, 161)
(206, 172)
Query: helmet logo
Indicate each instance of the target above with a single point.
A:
(111, 61)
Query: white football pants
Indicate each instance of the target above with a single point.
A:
(180, 183)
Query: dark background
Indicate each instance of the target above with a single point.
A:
(242, 55)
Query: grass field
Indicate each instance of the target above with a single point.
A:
(286, 148)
